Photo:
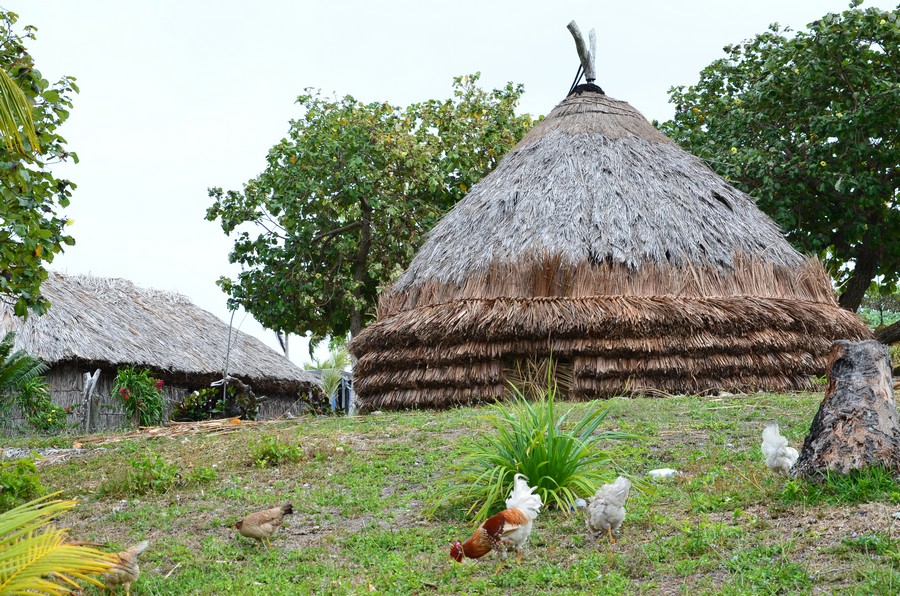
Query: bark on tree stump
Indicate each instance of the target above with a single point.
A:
(857, 424)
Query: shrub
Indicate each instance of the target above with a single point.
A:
(19, 482)
(200, 475)
(37, 406)
(272, 451)
(141, 395)
(209, 403)
(529, 438)
(146, 473)
(36, 558)
(150, 473)
(16, 368)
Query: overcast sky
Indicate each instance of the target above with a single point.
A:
(181, 95)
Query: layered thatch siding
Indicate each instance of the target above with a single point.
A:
(109, 323)
(599, 241)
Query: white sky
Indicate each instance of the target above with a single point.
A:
(181, 95)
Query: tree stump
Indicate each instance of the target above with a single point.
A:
(857, 424)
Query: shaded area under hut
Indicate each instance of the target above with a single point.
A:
(599, 241)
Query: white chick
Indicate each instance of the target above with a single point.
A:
(606, 509)
(779, 456)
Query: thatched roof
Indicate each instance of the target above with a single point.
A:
(101, 322)
(599, 240)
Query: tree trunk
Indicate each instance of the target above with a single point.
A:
(361, 263)
(889, 335)
(864, 271)
(857, 423)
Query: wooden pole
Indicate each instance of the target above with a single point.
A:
(586, 54)
(91, 403)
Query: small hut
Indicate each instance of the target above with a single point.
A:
(598, 241)
(102, 323)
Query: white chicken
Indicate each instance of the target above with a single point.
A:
(780, 457)
(606, 509)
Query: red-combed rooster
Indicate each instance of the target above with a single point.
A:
(509, 529)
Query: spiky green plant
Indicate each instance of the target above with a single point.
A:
(530, 438)
(35, 557)
(16, 366)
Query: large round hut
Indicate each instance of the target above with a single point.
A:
(597, 241)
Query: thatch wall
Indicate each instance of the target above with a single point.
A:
(597, 240)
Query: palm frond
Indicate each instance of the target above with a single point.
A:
(15, 118)
(16, 367)
(35, 556)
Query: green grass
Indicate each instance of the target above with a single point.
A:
(359, 487)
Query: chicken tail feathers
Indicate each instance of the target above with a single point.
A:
(780, 457)
(522, 497)
(772, 441)
(615, 493)
(138, 548)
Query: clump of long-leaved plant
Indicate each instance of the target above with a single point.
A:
(564, 461)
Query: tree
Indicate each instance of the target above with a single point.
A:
(347, 197)
(884, 305)
(807, 124)
(31, 229)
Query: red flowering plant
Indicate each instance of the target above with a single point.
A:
(141, 395)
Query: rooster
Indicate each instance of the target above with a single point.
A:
(509, 529)
(779, 456)
(126, 570)
(262, 524)
(606, 509)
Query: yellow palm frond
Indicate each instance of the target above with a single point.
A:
(34, 556)
(15, 112)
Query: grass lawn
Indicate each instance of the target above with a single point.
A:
(358, 486)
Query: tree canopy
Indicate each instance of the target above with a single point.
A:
(32, 230)
(807, 123)
(347, 197)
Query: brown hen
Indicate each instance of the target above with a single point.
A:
(126, 570)
(262, 524)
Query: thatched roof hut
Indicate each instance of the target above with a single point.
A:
(599, 241)
(107, 323)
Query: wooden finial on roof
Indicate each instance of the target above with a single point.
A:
(586, 55)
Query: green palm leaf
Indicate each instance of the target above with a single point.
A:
(34, 556)
(16, 367)
(15, 113)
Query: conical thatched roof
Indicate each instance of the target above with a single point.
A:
(598, 240)
(99, 321)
